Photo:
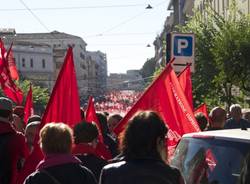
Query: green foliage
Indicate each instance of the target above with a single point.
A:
(222, 56)
(40, 95)
(148, 68)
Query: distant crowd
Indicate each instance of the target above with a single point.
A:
(117, 101)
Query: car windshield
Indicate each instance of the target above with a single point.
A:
(210, 161)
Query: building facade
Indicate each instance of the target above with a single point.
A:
(221, 6)
(180, 11)
(97, 68)
(39, 57)
(131, 80)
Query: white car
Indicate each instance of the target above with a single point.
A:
(212, 157)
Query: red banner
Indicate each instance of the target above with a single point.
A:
(166, 97)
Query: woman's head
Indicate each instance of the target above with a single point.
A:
(144, 136)
(56, 138)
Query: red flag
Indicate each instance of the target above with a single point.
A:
(12, 66)
(186, 84)
(101, 148)
(9, 87)
(28, 107)
(166, 97)
(203, 109)
(63, 106)
(91, 116)
(64, 103)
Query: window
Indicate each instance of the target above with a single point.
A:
(31, 63)
(23, 62)
(43, 63)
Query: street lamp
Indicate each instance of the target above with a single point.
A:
(149, 7)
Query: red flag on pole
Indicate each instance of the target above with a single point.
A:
(28, 107)
(63, 106)
(64, 103)
(186, 84)
(166, 97)
(91, 116)
(12, 66)
(101, 148)
(203, 109)
(9, 87)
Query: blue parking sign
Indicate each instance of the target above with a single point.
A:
(183, 45)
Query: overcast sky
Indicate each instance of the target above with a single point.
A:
(121, 29)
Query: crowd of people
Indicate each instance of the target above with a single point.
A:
(77, 154)
(118, 101)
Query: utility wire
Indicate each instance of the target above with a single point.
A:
(75, 7)
(127, 20)
(39, 20)
(121, 34)
(34, 15)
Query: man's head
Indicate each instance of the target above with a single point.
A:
(5, 108)
(144, 136)
(217, 117)
(30, 132)
(56, 138)
(85, 132)
(235, 112)
(19, 110)
(113, 121)
(18, 123)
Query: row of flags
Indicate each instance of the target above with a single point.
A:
(9, 73)
(169, 95)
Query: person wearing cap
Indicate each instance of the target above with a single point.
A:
(13, 149)
(86, 135)
(33, 118)
(30, 133)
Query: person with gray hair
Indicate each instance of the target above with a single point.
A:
(236, 120)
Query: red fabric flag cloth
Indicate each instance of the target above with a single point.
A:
(166, 97)
(91, 116)
(8, 86)
(63, 106)
(28, 107)
(12, 66)
(203, 109)
(101, 149)
(64, 103)
(186, 84)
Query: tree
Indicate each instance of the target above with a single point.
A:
(222, 52)
(40, 95)
(148, 70)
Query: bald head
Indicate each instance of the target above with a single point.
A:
(217, 117)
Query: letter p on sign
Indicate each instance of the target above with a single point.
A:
(183, 45)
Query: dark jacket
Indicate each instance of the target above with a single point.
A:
(93, 163)
(89, 158)
(140, 171)
(66, 172)
(13, 152)
(232, 124)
